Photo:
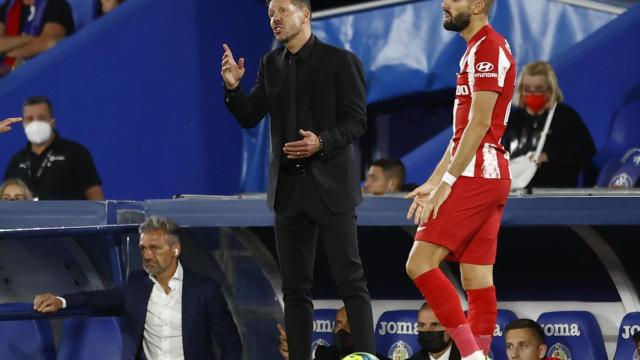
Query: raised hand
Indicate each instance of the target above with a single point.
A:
(5, 125)
(232, 71)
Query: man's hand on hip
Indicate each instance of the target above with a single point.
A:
(232, 71)
(309, 145)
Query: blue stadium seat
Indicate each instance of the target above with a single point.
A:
(626, 350)
(323, 320)
(25, 339)
(90, 338)
(84, 12)
(624, 172)
(573, 335)
(623, 135)
(498, 346)
(396, 331)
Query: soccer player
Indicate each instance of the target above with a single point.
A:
(460, 206)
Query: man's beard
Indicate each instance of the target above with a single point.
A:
(458, 23)
(288, 38)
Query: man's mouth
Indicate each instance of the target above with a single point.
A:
(447, 16)
(277, 29)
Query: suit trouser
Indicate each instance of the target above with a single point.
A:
(302, 217)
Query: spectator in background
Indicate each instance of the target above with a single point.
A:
(525, 340)
(30, 27)
(53, 167)
(109, 5)
(435, 342)
(385, 176)
(15, 189)
(568, 147)
(5, 125)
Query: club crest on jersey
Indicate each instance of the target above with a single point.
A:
(400, 351)
(484, 66)
(559, 352)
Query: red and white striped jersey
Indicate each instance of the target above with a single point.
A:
(487, 65)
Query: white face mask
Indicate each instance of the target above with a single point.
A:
(38, 132)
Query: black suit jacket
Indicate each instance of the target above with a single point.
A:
(332, 100)
(204, 312)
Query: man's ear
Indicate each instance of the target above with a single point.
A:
(393, 183)
(53, 123)
(478, 7)
(542, 351)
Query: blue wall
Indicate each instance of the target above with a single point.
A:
(141, 88)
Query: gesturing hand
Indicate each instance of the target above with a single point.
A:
(436, 200)
(420, 197)
(5, 125)
(309, 145)
(47, 303)
(231, 71)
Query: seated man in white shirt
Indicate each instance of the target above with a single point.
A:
(168, 312)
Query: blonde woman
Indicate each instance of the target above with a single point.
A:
(15, 189)
(568, 146)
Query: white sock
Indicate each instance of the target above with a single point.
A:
(478, 355)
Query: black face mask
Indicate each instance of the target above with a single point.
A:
(344, 343)
(432, 341)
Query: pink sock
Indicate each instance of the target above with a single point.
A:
(483, 314)
(443, 299)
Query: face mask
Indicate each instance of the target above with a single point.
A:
(38, 132)
(343, 342)
(535, 101)
(432, 341)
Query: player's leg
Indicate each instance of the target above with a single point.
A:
(423, 268)
(477, 280)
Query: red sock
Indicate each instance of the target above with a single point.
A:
(443, 299)
(483, 313)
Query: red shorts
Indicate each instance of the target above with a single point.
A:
(468, 221)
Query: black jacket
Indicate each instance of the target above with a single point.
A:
(331, 99)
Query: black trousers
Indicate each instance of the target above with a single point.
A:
(302, 218)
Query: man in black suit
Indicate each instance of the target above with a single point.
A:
(316, 97)
(166, 309)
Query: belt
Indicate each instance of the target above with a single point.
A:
(295, 168)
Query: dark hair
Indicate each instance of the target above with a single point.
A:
(392, 167)
(166, 225)
(38, 99)
(535, 328)
(298, 3)
(636, 337)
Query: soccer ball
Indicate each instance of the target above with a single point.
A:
(360, 356)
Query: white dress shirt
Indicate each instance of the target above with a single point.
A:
(444, 356)
(162, 337)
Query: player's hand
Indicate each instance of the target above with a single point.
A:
(436, 200)
(47, 303)
(420, 196)
(284, 345)
(5, 125)
(232, 71)
(309, 145)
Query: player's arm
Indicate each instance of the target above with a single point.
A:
(482, 105)
(439, 171)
